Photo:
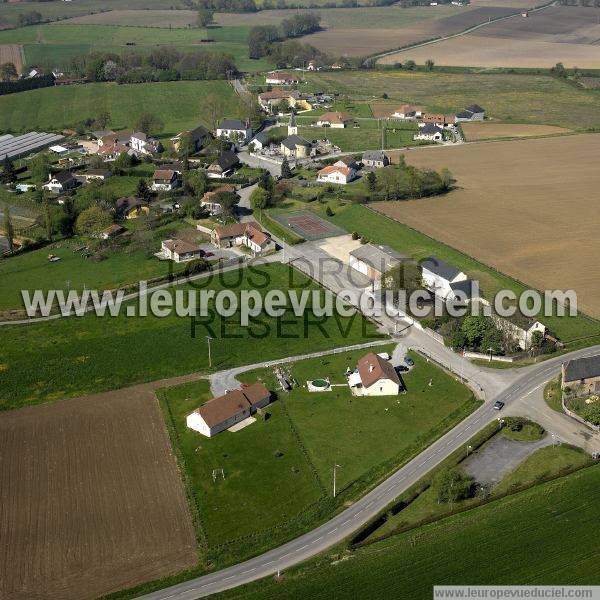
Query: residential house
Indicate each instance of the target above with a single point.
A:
(443, 121)
(375, 261)
(208, 200)
(374, 376)
(281, 78)
(347, 161)
(222, 412)
(296, 146)
(582, 375)
(430, 133)
(165, 180)
(110, 152)
(236, 131)
(259, 141)
(333, 174)
(270, 100)
(179, 250)
(144, 144)
(519, 328)
(111, 231)
(375, 159)
(408, 112)
(61, 182)
(224, 165)
(438, 276)
(131, 208)
(473, 112)
(200, 137)
(336, 120)
(247, 234)
(96, 174)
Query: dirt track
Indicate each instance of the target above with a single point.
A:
(529, 208)
(91, 498)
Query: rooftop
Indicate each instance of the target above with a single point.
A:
(582, 368)
(372, 368)
(441, 268)
(382, 258)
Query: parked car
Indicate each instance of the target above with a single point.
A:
(498, 405)
(409, 361)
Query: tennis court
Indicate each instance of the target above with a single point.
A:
(308, 225)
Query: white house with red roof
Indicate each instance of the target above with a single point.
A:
(336, 174)
(374, 376)
(281, 78)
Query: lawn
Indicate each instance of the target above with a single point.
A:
(545, 535)
(511, 98)
(553, 395)
(177, 103)
(79, 355)
(294, 450)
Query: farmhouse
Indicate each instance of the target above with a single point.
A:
(444, 121)
(408, 112)
(96, 174)
(336, 120)
(143, 144)
(164, 180)
(374, 376)
(374, 260)
(281, 78)
(336, 174)
(519, 328)
(224, 165)
(473, 112)
(439, 276)
(210, 202)
(582, 375)
(375, 159)
(247, 234)
(60, 182)
(235, 130)
(222, 412)
(198, 137)
(179, 250)
(430, 133)
(296, 147)
(131, 208)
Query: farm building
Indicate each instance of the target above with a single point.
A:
(61, 182)
(439, 276)
(408, 112)
(179, 251)
(16, 147)
(165, 180)
(247, 234)
(281, 78)
(235, 130)
(473, 112)
(336, 174)
(199, 137)
(375, 159)
(374, 260)
(208, 200)
(519, 328)
(374, 376)
(582, 375)
(336, 120)
(131, 208)
(222, 412)
(440, 120)
(223, 165)
(430, 133)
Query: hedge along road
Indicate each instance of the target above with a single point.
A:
(350, 520)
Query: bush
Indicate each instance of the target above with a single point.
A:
(355, 235)
(453, 486)
(195, 266)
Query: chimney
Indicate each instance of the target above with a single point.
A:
(371, 368)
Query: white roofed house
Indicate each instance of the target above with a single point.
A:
(223, 412)
(236, 131)
(374, 376)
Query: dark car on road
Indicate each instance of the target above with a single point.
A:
(498, 405)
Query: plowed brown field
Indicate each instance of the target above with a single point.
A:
(91, 500)
(12, 53)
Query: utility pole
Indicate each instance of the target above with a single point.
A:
(208, 338)
(336, 466)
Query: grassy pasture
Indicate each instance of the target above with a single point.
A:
(539, 533)
(79, 355)
(509, 98)
(311, 431)
(177, 103)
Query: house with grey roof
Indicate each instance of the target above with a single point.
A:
(519, 328)
(439, 276)
(375, 159)
(582, 375)
(237, 131)
(296, 146)
(374, 261)
(430, 132)
(473, 112)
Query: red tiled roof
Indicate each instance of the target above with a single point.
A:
(336, 117)
(333, 169)
(372, 368)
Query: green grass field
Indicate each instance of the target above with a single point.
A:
(79, 355)
(545, 535)
(177, 103)
(506, 97)
(553, 395)
(312, 431)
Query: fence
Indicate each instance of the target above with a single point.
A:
(577, 417)
(480, 355)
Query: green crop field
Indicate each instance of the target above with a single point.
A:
(294, 450)
(545, 535)
(78, 355)
(177, 103)
(509, 98)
